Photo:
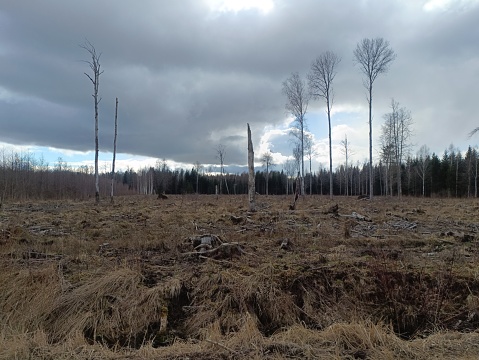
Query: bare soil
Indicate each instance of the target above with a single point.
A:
(200, 277)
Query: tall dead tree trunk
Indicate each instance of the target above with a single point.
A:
(221, 151)
(198, 167)
(95, 67)
(114, 151)
(251, 181)
(347, 152)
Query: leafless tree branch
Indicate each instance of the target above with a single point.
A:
(473, 132)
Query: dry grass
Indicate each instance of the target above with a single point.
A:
(105, 282)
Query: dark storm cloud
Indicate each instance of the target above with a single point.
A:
(189, 79)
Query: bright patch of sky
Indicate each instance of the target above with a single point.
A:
(263, 6)
(8, 96)
(345, 121)
(51, 157)
(442, 5)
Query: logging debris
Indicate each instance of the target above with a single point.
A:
(213, 247)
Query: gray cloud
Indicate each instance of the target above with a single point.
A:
(189, 79)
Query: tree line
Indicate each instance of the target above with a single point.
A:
(24, 177)
(452, 174)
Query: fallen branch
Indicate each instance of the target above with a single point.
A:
(223, 250)
(356, 216)
(35, 255)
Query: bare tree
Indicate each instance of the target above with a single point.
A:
(289, 167)
(297, 157)
(346, 150)
(423, 158)
(387, 154)
(374, 57)
(95, 79)
(320, 79)
(114, 151)
(251, 181)
(458, 158)
(398, 127)
(310, 152)
(476, 157)
(476, 160)
(474, 131)
(294, 88)
(267, 162)
(198, 168)
(220, 155)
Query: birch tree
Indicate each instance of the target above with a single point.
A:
(320, 80)
(297, 157)
(310, 152)
(95, 80)
(251, 180)
(198, 168)
(398, 127)
(297, 96)
(374, 57)
(346, 150)
(423, 159)
(476, 158)
(220, 155)
(267, 162)
(387, 155)
(114, 151)
(290, 169)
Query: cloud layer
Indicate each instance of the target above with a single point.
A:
(189, 77)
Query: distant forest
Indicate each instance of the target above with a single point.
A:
(22, 177)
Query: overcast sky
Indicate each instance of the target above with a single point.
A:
(189, 74)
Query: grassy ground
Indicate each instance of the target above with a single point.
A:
(381, 279)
